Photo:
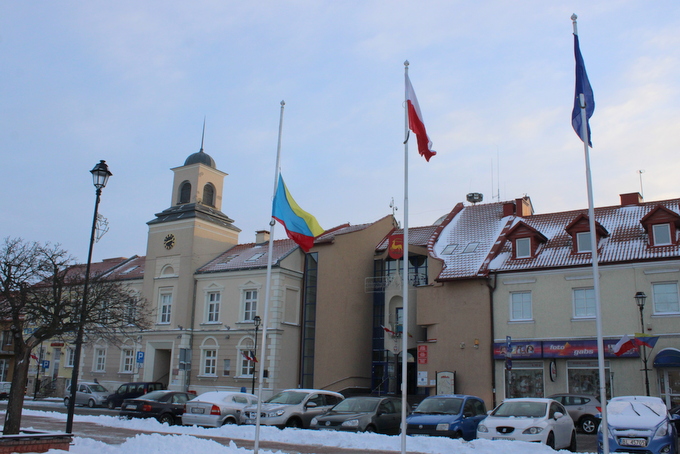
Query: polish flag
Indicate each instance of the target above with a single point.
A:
(415, 123)
(624, 345)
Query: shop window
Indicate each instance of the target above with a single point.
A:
(583, 378)
(666, 298)
(524, 380)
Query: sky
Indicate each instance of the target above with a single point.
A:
(131, 82)
(184, 441)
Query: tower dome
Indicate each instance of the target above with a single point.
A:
(200, 158)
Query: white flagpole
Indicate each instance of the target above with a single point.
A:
(404, 322)
(596, 273)
(265, 321)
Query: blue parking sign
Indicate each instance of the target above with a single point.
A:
(45, 364)
(140, 357)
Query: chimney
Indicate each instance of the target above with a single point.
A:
(632, 198)
(261, 236)
(508, 209)
(524, 207)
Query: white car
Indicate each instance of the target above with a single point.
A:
(216, 408)
(292, 408)
(530, 419)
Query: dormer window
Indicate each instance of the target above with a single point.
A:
(661, 225)
(522, 248)
(662, 234)
(525, 240)
(583, 242)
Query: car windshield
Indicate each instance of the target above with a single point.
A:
(440, 406)
(98, 389)
(521, 409)
(288, 398)
(357, 405)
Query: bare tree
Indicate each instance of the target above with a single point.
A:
(41, 293)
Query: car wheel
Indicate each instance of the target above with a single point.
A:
(294, 423)
(166, 418)
(588, 425)
(457, 435)
(550, 442)
(370, 428)
(66, 400)
(91, 403)
(229, 421)
(572, 444)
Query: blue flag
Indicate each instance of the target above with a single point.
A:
(582, 86)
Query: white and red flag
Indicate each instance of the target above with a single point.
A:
(416, 124)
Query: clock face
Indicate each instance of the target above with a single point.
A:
(169, 241)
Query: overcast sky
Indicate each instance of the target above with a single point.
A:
(130, 82)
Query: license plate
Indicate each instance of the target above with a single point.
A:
(638, 442)
(250, 421)
(130, 406)
(502, 438)
(197, 410)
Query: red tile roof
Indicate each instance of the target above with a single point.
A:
(249, 256)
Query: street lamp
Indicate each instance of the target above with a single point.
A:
(640, 298)
(100, 176)
(257, 320)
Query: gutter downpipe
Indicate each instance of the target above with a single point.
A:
(492, 288)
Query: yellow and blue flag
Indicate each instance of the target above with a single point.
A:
(582, 87)
(300, 226)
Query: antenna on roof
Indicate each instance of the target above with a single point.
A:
(202, 135)
(642, 194)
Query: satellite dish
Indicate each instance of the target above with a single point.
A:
(474, 197)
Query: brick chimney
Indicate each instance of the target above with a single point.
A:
(261, 236)
(524, 207)
(632, 198)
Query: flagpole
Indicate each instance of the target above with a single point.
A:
(265, 321)
(405, 282)
(596, 273)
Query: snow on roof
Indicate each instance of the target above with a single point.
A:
(249, 255)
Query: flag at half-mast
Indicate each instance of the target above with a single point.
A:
(416, 124)
(300, 226)
(582, 87)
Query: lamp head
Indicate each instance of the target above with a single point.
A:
(100, 174)
(257, 320)
(640, 298)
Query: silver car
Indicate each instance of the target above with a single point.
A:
(583, 409)
(292, 408)
(90, 394)
(216, 408)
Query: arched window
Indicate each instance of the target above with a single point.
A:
(209, 195)
(184, 192)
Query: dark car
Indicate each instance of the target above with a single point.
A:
(583, 409)
(132, 390)
(166, 406)
(362, 414)
(447, 415)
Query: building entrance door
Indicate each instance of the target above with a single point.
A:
(669, 384)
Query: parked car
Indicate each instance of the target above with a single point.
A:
(448, 415)
(583, 409)
(90, 394)
(132, 390)
(530, 419)
(292, 408)
(639, 424)
(216, 408)
(166, 406)
(362, 414)
(5, 387)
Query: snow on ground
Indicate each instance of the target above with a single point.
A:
(177, 439)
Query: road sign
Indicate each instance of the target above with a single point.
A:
(46, 364)
(140, 357)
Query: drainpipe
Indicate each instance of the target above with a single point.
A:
(491, 285)
(187, 374)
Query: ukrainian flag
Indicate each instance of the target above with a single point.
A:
(300, 226)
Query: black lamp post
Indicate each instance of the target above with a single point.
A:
(257, 320)
(100, 176)
(640, 298)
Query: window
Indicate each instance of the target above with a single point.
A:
(70, 356)
(209, 195)
(247, 362)
(131, 311)
(127, 361)
(524, 380)
(165, 307)
(666, 298)
(227, 367)
(213, 307)
(522, 248)
(99, 359)
(662, 234)
(584, 303)
(520, 306)
(256, 257)
(209, 362)
(472, 247)
(448, 250)
(583, 242)
(249, 304)
(185, 192)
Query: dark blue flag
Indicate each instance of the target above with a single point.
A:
(582, 86)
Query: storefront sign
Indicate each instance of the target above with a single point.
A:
(518, 350)
(559, 349)
(422, 354)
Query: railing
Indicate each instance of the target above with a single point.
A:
(374, 284)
